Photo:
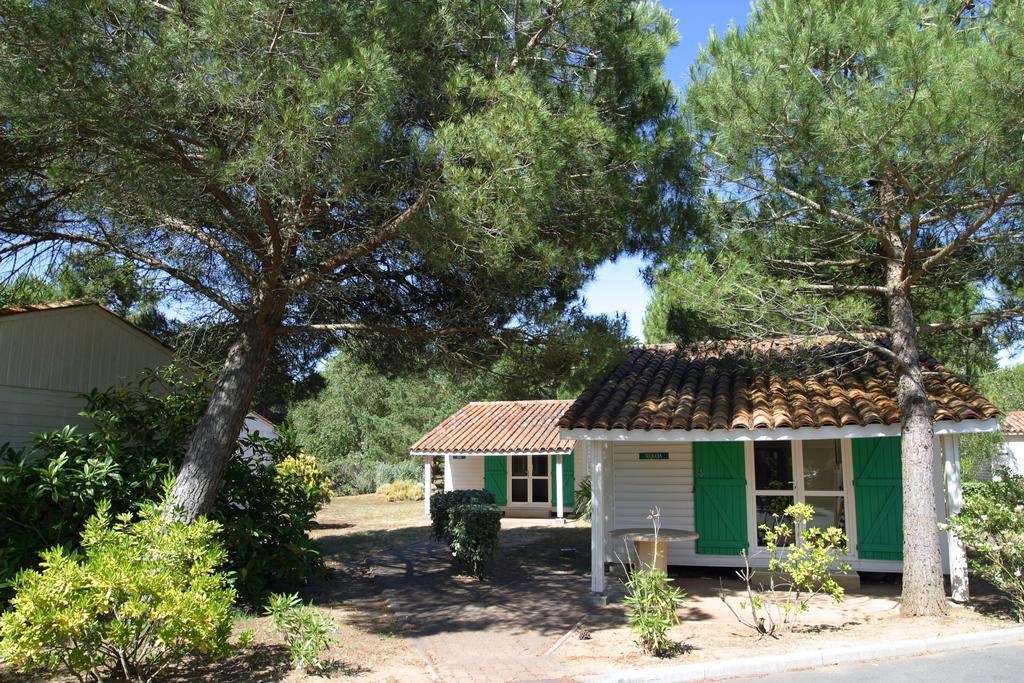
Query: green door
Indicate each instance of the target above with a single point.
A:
(720, 497)
(496, 477)
(568, 481)
(878, 491)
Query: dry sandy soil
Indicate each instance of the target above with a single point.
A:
(709, 631)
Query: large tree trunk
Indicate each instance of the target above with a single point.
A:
(923, 591)
(216, 436)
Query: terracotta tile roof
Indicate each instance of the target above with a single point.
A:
(779, 383)
(499, 427)
(1014, 423)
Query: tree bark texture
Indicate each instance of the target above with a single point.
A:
(216, 435)
(923, 590)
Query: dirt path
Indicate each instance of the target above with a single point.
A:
(499, 629)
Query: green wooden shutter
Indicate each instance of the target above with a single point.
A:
(720, 497)
(878, 490)
(496, 477)
(568, 481)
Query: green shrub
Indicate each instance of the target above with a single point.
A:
(440, 503)
(141, 595)
(305, 629)
(797, 571)
(473, 534)
(583, 501)
(991, 524)
(355, 475)
(401, 490)
(266, 513)
(654, 606)
(138, 438)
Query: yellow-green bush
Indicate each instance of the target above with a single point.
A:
(141, 595)
(405, 489)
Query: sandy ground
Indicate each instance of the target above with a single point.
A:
(709, 631)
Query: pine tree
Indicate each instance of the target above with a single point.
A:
(865, 159)
(417, 177)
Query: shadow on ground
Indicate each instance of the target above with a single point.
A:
(258, 663)
(536, 584)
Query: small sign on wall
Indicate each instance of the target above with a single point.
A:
(654, 456)
(458, 457)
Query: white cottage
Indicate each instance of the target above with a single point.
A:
(721, 436)
(1013, 432)
(52, 354)
(511, 448)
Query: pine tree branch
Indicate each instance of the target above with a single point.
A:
(552, 15)
(386, 234)
(844, 289)
(978, 322)
(177, 273)
(961, 239)
(389, 329)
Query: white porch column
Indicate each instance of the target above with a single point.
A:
(595, 458)
(954, 503)
(428, 480)
(559, 496)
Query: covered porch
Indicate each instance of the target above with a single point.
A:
(722, 437)
(510, 448)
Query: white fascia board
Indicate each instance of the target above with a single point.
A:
(481, 454)
(782, 434)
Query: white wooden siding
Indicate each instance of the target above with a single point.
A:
(24, 412)
(634, 486)
(467, 473)
(640, 485)
(1014, 456)
(48, 358)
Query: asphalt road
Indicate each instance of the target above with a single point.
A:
(996, 664)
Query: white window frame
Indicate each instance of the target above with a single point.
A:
(799, 492)
(529, 481)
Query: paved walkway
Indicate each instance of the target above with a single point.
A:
(522, 610)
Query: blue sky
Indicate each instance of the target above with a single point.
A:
(618, 287)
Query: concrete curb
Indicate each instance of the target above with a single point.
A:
(759, 666)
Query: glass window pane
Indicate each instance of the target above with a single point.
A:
(540, 465)
(828, 511)
(519, 465)
(540, 490)
(823, 465)
(773, 466)
(520, 490)
(767, 509)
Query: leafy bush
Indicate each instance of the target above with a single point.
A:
(406, 489)
(355, 476)
(305, 629)
(141, 595)
(653, 609)
(473, 534)
(138, 438)
(653, 602)
(266, 513)
(441, 503)
(583, 501)
(991, 524)
(800, 567)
